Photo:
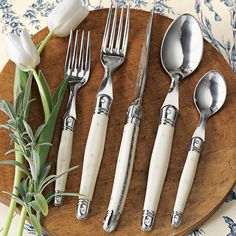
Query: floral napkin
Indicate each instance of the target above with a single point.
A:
(218, 22)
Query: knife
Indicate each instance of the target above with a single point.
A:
(126, 155)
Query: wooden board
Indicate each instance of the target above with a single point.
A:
(217, 168)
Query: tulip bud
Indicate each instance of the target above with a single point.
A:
(22, 51)
(67, 15)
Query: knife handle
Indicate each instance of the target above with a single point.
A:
(92, 160)
(122, 178)
(186, 181)
(157, 173)
(63, 164)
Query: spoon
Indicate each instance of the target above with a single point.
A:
(181, 53)
(209, 97)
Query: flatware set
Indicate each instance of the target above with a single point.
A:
(181, 54)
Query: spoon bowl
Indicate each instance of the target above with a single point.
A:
(182, 46)
(210, 94)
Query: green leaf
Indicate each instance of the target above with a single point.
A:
(34, 204)
(36, 223)
(48, 130)
(7, 108)
(18, 104)
(20, 81)
(46, 89)
(50, 179)
(10, 151)
(42, 202)
(27, 96)
(16, 198)
(51, 196)
(16, 163)
(36, 160)
(29, 131)
(57, 92)
(39, 131)
(45, 170)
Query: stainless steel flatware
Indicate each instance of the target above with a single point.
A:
(112, 56)
(126, 156)
(209, 97)
(181, 53)
(77, 69)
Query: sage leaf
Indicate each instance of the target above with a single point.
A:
(29, 131)
(16, 163)
(34, 204)
(36, 223)
(42, 202)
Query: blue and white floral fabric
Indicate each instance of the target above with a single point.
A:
(218, 22)
(217, 18)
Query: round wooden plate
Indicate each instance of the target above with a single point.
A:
(217, 168)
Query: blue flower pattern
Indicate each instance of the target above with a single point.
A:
(229, 48)
(40, 8)
(9, 19)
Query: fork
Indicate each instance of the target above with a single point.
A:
(78, 74)
(111, 56)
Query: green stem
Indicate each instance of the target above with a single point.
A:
(22, 221)
(42, 95)
(44, 42)
(12, 205)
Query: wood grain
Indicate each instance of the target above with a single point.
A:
(217, 168)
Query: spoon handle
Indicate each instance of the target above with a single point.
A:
(157, 173)
(186, 180)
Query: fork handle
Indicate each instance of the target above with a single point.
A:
(63, 164)
(92, 160)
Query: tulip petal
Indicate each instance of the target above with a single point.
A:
(29, 47)
(64, 29)
(63, 15)
(16, 52)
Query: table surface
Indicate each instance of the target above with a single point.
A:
(222, 222)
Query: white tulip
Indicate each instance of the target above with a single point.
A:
(22, 51)
(67, 15)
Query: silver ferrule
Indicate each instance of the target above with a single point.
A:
(83, 209)
(110, 221)
(196, 144)
(58, 200)
(69, 123)
(134, 113)
(169, 115)
(176, 219)
(102, 104)
(148, 218)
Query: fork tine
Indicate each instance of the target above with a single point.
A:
(112, 37)
(106, 31)
(119, 31)
(69, 52)
(75, 53)
(126, 32)
(81, 54)
(88, 53)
